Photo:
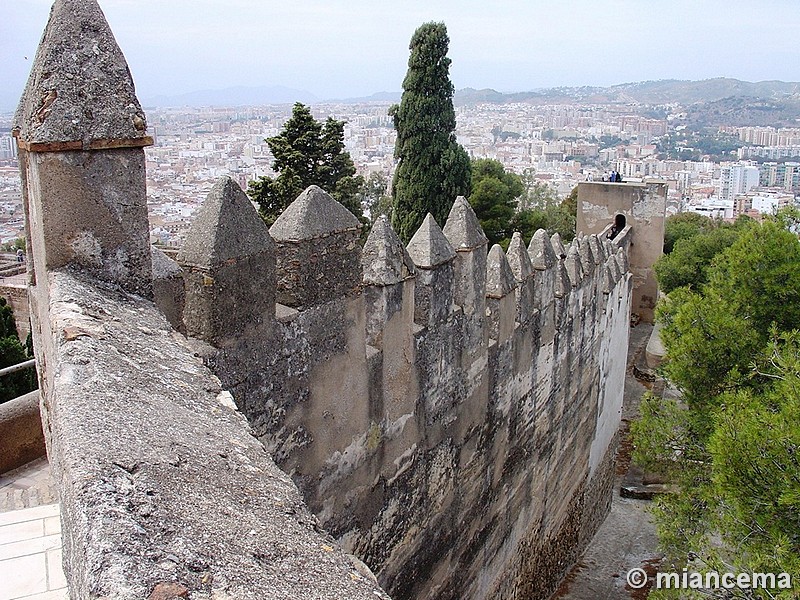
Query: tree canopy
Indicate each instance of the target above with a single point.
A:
(306, 153)
(12, 352)
(494, 198)
(730, 442)
(433, 169)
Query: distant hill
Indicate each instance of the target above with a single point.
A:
(667, 91)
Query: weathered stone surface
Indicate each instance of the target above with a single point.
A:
(21, 432)
(168, 290)
(160, 479)
(573, 265)
(80, 89)
(597, 249)
(563, 283)
(462, 228)
(384, 260)
(622, 260)
(518, 258)
(429, 247)
(226, 227)
(558, 245)
(541, 251)
(499, 278)
(318, 251)
(587, 256)
(314, 213)
(229, 265)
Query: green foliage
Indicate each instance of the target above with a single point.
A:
(494, 198)
(374, 198)
(306, 153)
(17, 244)
(731, 444)
(691, 258)
(11, 353)
(433, 169)
(684, 226)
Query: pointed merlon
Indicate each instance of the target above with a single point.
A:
(462, 228)
(541, 251)
(563, 284)
(608, 280)
(226, 227)
(622, 259)
(384, 260)
(609, 247)
(500, 280)
(518, 258)
(80, 94)
(573, 265)
(314, 213)
(613, 265)
(586, 254)
(558, 245)
(597, 249)
(429, 248)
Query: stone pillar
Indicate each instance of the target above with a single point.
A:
(433, 257)
(500, 297)
(520, 262)
(465, 235)
(544, 261)
(318, 251)
(228, 260)
(80, 132)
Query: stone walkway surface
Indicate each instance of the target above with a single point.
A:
(30, 536)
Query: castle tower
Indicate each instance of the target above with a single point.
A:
(81, 133)
(639, 211)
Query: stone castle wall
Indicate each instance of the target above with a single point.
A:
(447, 411)
(449, 415)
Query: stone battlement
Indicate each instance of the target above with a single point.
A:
(446, 412)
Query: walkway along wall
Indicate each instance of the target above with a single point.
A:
(449, 414)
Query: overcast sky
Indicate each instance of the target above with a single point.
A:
(347, 48)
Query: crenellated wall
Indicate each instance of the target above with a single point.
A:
(449, 412)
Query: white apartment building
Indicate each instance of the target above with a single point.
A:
(736, 179)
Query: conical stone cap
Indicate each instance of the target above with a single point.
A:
(573, 265)
(597, 249)
(558, 245)
(563, 284)
(226, 227)
(429, 248)
(314, 213)
(541, 251)
(80, 94)
(518, 258)
(499, 278)
(586, 254)
(462, 229)
(384, 260)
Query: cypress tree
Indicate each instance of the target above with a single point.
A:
(433, 169)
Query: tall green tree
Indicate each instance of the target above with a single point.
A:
(433, 169)
(306, 153)
(730, 444)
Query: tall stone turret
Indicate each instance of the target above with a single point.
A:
(81, 133)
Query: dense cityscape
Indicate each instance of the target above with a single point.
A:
(555, 145)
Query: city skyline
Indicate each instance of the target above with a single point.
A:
(338, 49)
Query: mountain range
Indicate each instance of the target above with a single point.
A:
(668, 91)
